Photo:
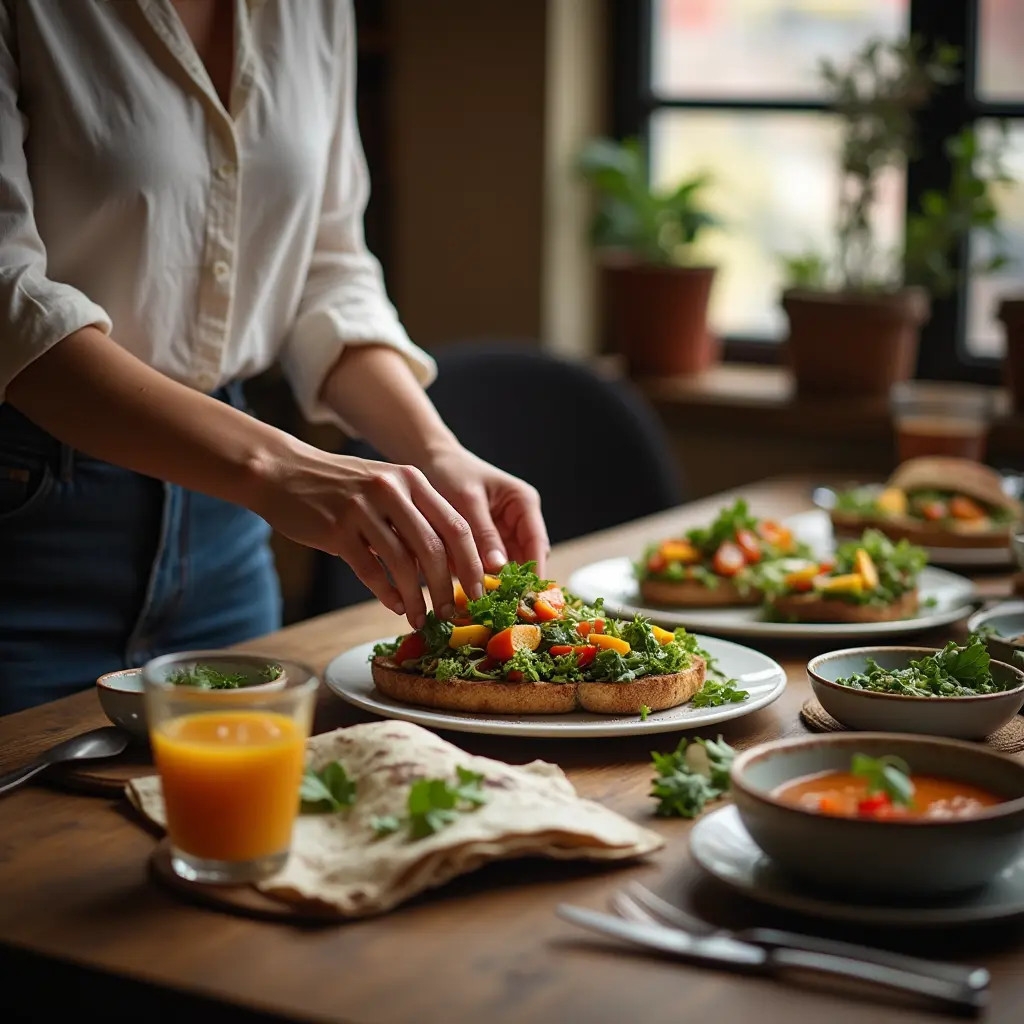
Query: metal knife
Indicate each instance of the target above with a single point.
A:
(718, 951)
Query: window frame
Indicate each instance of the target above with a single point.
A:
(943, 352)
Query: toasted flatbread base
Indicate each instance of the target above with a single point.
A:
(934, 535)
(656, 692)
(693, 594)
(814, 608)
(963, 476)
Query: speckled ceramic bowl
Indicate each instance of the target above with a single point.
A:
(912, 859)
(966, 718)
(1007, 620)
(121, 693)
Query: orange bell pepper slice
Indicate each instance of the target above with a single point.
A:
(504, 645)
(962, 507)
(663, 636)
(611, 643)
(681, 551)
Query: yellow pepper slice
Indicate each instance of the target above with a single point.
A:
(475, 636)
(893, 501)
(681, 551)
(663, 636)
(612, 643)
(849, 583)
(866, 569)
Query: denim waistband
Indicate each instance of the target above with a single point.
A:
(18, 434)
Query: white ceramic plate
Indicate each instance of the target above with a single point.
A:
(349, 676)
(723, 848)
(613, 580)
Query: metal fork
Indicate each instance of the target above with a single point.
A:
(636, 903)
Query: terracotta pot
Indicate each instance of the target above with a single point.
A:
(659, 317)
(1011, 312)
(847, 344)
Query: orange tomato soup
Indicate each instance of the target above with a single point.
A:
(230, 782)
(846, 795)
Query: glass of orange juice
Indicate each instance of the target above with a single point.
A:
(229, 733)
(934, 418)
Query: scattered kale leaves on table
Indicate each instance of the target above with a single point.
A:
(687, 779)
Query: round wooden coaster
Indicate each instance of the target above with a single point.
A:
(1008, 740)
(244, 900)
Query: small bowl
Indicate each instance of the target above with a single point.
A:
(965, 718)
(1007, 619)
(123, 700)
(913, 859)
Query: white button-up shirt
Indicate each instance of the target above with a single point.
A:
(209, 242)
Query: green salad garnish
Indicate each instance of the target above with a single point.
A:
(955, 671)
(209, 677)
(687, 779)
(434, 804)
(888, 775)
(539, 648)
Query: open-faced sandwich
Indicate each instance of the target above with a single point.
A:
(938, 501)
(872, 579)
(722, 564)
(526, 647)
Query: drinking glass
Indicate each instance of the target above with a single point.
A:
(941, 419)
(229, 734)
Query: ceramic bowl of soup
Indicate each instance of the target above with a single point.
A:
(123, 701)
(804, 806)
(958, 717)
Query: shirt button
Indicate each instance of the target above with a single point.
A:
(221, 271)
(225, 171)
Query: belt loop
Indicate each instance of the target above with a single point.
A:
(67, 463)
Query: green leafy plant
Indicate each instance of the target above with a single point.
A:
(876, 95)
(687, 779)
(658, 227)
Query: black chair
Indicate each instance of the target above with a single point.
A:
(591, 445)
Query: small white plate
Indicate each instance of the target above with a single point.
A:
(613, 580)
(349, 676)
(723, 848)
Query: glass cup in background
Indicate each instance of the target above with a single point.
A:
(230, 763)
(941, 419)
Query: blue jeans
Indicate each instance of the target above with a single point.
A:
(102, 568)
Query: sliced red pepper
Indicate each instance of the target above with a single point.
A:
(515, 677)
(729, 559)
(412, 648)
(561, 649)
(657, 563)
(585, 655)
(488, 665)
(748, 543)
(870, 805)
(933, 511)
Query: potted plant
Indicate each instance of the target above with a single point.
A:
(855, 314)
(657, 293)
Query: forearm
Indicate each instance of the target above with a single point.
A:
(91, 394)
(372, 388)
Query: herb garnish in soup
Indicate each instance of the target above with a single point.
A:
(885, 789)
(209, 677)
(954, 671)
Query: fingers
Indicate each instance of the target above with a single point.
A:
(371, 573)
(474, 507)
(460, 548)
(525, 530)
(376, 533)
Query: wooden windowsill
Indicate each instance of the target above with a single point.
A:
(747, 397)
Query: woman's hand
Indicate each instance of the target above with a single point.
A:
(502, 510)
(375, 516)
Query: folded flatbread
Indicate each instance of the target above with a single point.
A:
(338, 862)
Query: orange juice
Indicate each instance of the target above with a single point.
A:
(941, 435)
(230, 782)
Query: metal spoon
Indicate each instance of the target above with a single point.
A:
(90, 746)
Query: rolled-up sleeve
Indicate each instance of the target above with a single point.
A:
(35, 312)
(344, 301)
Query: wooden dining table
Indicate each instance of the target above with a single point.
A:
(84, 928)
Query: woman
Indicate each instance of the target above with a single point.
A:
(181, 198)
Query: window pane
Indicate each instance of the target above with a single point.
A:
(760, 48)
(776, 186)
(1000, 45)
(984, 331)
